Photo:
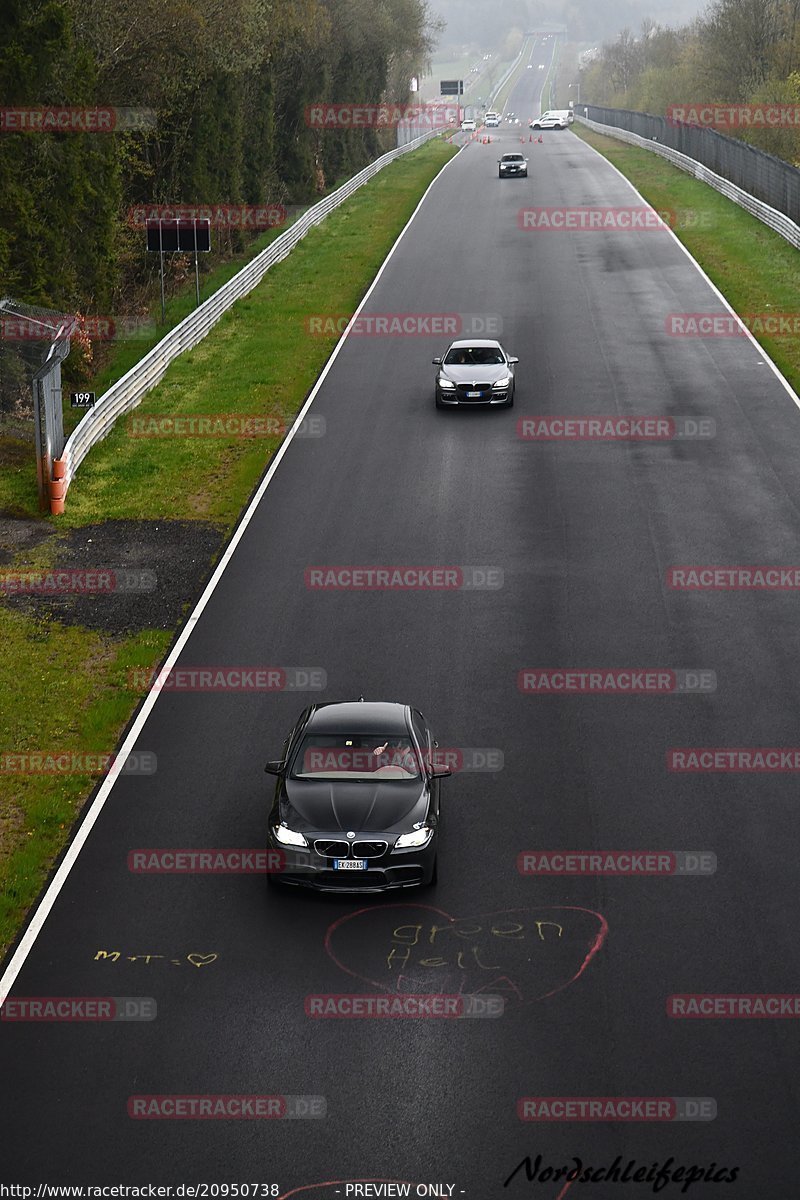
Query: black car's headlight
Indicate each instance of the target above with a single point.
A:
(416, 840)
(446, 384)
(502, 384)
(288, 837)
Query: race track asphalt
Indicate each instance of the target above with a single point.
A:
(584, 534)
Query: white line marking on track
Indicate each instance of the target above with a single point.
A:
(774, 368)
(82, 833)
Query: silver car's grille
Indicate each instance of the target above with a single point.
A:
(369, 849)
(330, 849)
(484, 390)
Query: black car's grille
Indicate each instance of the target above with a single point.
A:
(329, 849)
(369, 849)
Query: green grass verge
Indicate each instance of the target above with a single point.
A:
(65, 687)
(754, 268)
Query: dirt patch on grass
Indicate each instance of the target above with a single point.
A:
(154, 570)
(17, 535)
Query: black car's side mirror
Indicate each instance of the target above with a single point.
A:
(442, 772)
(275, 768)
(437, 361)
(512, 358)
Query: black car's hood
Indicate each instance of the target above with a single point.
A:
(360, 807)
(473, 374)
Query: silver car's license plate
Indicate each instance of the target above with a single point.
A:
(472, 395)
(349, 864)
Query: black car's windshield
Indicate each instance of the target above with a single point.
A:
(356, 757)
(512, 158)
(474, 356)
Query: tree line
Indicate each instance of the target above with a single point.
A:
(226, 82)
(736, 52)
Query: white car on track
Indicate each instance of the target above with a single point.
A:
(548, 120)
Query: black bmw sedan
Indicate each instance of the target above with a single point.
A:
(356, 803)
(475, 372)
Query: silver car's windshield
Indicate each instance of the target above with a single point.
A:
(474, 356)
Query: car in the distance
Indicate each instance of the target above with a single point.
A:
(477, 372)
(491, 119)
(512, 164)
(548, 120)
(468, 125)
(356, 804)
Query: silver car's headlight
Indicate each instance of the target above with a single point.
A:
(288, 837)
(445, 383)
(414, 840)
(502, 383)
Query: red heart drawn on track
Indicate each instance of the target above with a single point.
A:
(521, 954)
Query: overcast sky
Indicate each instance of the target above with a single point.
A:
(480, 23)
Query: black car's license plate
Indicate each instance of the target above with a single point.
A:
(349, 864)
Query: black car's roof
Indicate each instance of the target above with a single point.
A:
(361, 716)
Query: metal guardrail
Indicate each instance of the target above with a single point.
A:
(777, 221)
(128, 391)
